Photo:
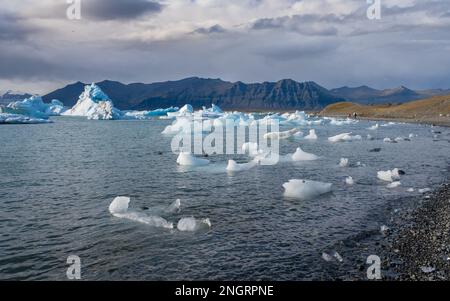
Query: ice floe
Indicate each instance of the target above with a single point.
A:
(349, 181)
(389, 175)
(6, 118)
(345, 137)
(233, 166)
(343, 162)
(305, 189)
(374, 127)
(281, 135)
(312, 135)
(191, 224)
(119, 208)
(34, 107)
(394, 184)
(188, 159)
(301, 155)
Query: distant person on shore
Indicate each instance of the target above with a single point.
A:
(355, 115)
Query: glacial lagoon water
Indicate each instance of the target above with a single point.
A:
(57, 181)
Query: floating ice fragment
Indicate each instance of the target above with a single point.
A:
(394, 184)
(338, 256)
(384, 229)
(175, 206)
(327, 257)
(389, 175)
(369, 137)
(312, 135)
(349, 181)
(424, 190)
(427, 270)
(300, 155)
(305, 189)
(281, 135)
(233, 166)
(343, 162)
(119, 208)
(251, 148)
(410, 190)
(187, 159)
(344, 137)
(374, 127)
(389, 140)
(191, 224)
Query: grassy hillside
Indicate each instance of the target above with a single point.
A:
(431, 110)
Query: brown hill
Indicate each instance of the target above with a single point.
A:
(434, 110)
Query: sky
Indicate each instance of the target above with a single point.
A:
(332, 42)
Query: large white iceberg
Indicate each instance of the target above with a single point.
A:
(94, 104)
(305, 189)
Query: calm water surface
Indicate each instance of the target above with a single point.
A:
(57, 181)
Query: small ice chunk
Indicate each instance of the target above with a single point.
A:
(410, 189)
(119, 208)
(370, 137)
(312, 135)
(424, 190)
(327, 257)
(389, 175)
(343, 162)
(187, 159)
(175, 206)
(349, 181)
(394, 184)
(281, 135)
(427, 270)
(305, 189)
(338, 256)
(233, 166)
(344, 137)
(191, 224)
(301, 155)
(374, 127)
(384, 229)
(389, 140)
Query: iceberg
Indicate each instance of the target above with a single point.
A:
(305, 189)
(191, 224)
(94, 104)
(186, 110)
(6, 118)
(119, 208)
(174, 207)
(312, 135)
(300, 155)
(35, 107)
(389, 175)
(143, 115)
(344, 137)
(187, 159)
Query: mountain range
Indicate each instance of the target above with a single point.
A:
(10, 96)
(285, 94)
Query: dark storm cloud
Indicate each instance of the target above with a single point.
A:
(119, 9)
(210, 30)
(12, 28)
